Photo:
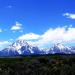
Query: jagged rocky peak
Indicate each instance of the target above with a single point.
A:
(60, 46)
(20, 42)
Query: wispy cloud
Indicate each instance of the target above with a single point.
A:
(11, 39)
(21, 31)
(1, 30)
(69, 15)
(60, 34)
(17, 26)
(9, 6)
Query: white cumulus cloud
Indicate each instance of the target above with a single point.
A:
(17, 26)
(69, 15)
(60, 34)
(29, 36)
(3, 44)
(57, 35)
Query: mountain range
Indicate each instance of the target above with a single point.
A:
(21, 47)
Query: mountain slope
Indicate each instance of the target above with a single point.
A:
(21, 47)
(60, 48)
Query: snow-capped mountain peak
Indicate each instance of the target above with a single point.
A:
(20, 43)
(60, 46)
(21, 47)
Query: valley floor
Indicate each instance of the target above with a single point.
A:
(38, 65)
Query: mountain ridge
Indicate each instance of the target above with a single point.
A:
(21, 47)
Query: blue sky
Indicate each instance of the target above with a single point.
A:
(26, 19)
